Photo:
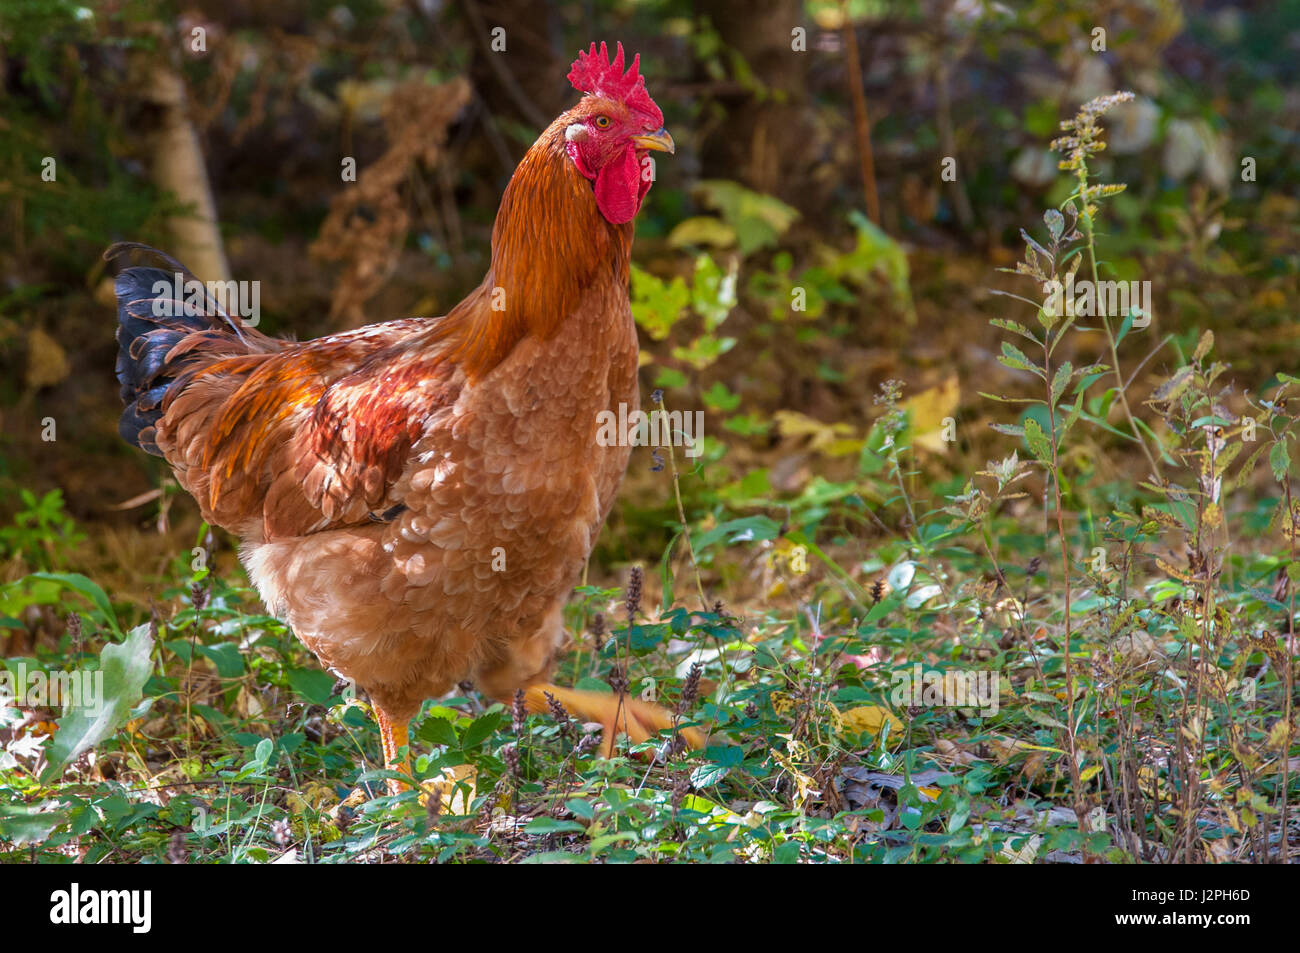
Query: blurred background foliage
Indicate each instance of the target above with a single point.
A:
(758, 200)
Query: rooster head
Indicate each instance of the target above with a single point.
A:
(609, 133)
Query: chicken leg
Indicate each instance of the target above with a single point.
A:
(394, 737)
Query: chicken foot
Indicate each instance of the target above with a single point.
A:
(639, 720)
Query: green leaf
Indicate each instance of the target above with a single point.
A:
(1037, 440)
(750, 528)
(549, 825)
(580, 808)
(1125, 326)
(757, 220)
(605, 840)
(1279, 458)
(713, 291)
(225, 656)
(1016, 359)
(719, 397)
(21, 825)
(875, 250)
(1246, 471)
(657, 305)
(1042, 718)
(312, 684)
(1016, 326)
(670, 378)
(86, 587)
(1072, 417)
(747, 425)
(704, 350)
(786, 853)
(125, 667)
(707, 775)
(646, 638)
(438, 731)
(1061, 380)
(480, 729)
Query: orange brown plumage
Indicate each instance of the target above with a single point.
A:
(417, 498)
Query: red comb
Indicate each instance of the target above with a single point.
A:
(593, 73)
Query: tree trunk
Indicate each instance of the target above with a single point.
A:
(768, 145)
(178, 167)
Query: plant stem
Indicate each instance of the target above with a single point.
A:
(1086, 218)
(1080, 804)
(681, 515)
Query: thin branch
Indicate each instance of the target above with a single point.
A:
(498, 64)
(861, 123)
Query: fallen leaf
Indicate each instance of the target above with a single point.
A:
(455, 785)
(870, 718)
(929, 410)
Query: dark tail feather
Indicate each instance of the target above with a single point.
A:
(153, 316)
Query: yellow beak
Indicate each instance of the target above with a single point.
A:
(659, 141)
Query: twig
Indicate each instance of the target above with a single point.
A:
(681, 513)
(1143, 363)
(861, 123)
(508, 81)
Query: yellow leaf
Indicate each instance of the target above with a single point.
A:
(314, 796)
(454, 785)
(782, 702)
(835, 439)
(929, 410)
(247, 704)
(870, 718)
(836, 719)
(1151, 784)
(702, 230)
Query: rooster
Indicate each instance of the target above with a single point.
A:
(417, 499)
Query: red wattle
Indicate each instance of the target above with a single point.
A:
(618, 187)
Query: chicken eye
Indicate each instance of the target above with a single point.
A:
(602, 122)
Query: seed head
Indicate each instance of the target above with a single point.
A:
(633, 601)
(517, 713)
